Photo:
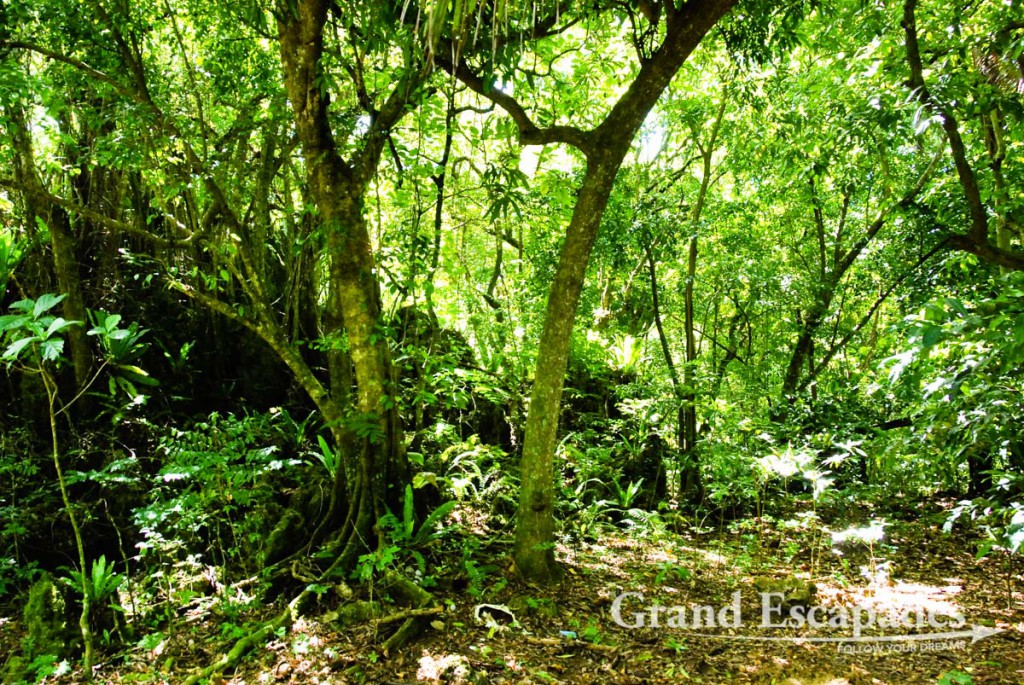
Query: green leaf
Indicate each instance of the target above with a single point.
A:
(24, 305)
(12, 322)
(17, 346)
(137, 374)
(408, 516)
(427, 529)
(931, 335)
(45, 303)
(59, 324)
(51, 349)
(424, 478)
(956, 305)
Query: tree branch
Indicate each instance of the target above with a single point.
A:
(976, 240)
(529, 132)
(102, 220)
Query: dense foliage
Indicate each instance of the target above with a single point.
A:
(288, 290)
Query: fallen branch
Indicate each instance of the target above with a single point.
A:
(408, 614)
(260, 635)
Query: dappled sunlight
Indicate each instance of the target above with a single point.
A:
(707, 555)
(898, 599)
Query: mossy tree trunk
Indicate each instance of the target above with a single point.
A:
(605, 147)
(62, 243)
(375, 467)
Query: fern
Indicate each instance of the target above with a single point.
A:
(426, 532)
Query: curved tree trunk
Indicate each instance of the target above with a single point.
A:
(605, 147)
(375, 470)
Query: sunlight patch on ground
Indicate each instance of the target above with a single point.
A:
(708, 556)
(898, 598)
(596, 558)
(434, 667)
(660, 555)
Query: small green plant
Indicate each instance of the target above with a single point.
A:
(592, 633)
(478, 574)
(102, 583)
(675, 645)
(626, 354)
(327, 457)
(668, 570)
(405, 531)
(405, 537)
(626, 496)
(46, 665)
(35, 346)
(955, 678)
(376, 562)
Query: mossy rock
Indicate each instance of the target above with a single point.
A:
(356, 613)
(47, 630)
(46, 620)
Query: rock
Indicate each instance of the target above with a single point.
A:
(47, 629)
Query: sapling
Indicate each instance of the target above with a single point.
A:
(35, 346)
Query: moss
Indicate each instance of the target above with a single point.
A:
(282, 540)
(46, 628)
(45, 617)
(356, 613)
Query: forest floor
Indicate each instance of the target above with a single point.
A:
(566, 633)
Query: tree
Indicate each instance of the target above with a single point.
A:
(976, 240)
(604, 147)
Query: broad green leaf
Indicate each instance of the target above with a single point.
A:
(51, 349)
(45, 303)
(59, 324)
(17, 346)
(24, 305)
(12, 322)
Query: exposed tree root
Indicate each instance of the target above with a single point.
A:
(408, 614)
(418, 599)
(406, 590)
(260, 635)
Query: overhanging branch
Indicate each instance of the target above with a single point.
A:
(529, 132)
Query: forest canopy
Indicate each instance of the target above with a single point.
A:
(300, 299)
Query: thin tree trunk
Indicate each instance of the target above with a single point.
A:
(605, 148)
(62, 242)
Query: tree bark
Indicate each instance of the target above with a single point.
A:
(377, 473)
(605, 148)
(62, 243)
(976, 240)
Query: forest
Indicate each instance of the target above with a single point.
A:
(481, 341)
